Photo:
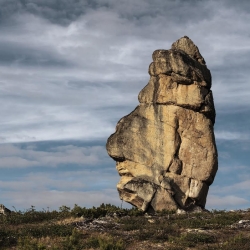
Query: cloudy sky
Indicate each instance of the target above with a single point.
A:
(70, 69)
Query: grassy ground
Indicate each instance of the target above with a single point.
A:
(111, 228)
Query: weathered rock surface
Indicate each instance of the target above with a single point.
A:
(4, 210)
(165, 149)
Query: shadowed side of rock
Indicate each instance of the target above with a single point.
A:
(165, 149)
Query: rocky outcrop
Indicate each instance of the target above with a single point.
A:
(165, 149)
(4, 210)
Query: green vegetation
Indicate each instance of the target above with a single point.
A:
(108, 227)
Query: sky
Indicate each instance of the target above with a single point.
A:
(70, 69)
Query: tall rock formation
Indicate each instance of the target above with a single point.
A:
(165, 150)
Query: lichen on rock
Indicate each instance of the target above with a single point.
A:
(165, 149)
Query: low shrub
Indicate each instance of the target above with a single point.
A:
(198, 238)
(103, 210)
(110, 243)
(28, 243)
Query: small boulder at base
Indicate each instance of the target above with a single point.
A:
(4, 210)
(165, 149)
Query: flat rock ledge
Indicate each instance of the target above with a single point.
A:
(165, 149)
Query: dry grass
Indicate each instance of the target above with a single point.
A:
(67, 230)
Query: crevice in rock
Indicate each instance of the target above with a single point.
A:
(170, 163)
(118, 159)
(129, 191)
(126, 174)
(155, 104)
(153, 195)
(183, 79)
(176, 163)
(189, 202)
(156, 88)
(190, 107)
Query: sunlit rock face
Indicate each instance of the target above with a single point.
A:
(165, 149)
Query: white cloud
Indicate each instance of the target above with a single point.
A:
(231, 135)
(241, 187)
(226, 202)
(55, 199)
(107, 56)
(232, 195)
(86, 188)
(74, 81)
(229, 168)
(61, 181)
(15, 157)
